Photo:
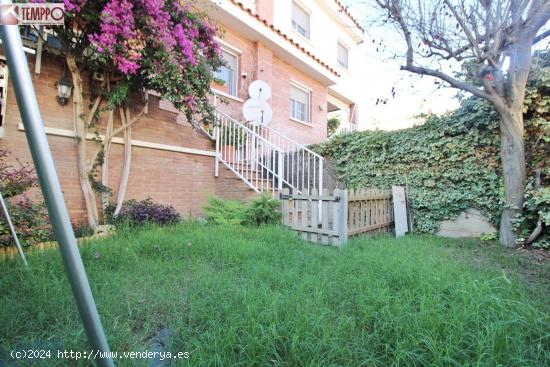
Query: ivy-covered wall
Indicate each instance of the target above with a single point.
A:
(449, 163)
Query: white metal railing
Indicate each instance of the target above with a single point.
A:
(265, 159)
(253, 159)
(303, 169)
(346, 129)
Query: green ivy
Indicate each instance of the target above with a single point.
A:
(450, 163)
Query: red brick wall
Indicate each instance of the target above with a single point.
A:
(259, 63)
(247, 60)
(180, 179)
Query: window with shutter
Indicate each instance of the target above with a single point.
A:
(342, 55)
(228, 72)
(300, 20)
(300, 100)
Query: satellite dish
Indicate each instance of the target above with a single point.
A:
(257, 112)
(260, 90)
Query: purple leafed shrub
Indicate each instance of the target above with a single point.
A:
(145, 211)
(30, 218)
(15, 180)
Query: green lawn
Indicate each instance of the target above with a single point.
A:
(242, 297)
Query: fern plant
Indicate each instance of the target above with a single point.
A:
(262, 211)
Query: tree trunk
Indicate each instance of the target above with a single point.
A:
(105, 166)
(125, 117)
(512, 154)
(81, 131)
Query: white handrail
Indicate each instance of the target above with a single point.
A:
(243, 126)
(265, 159)
(269, 131)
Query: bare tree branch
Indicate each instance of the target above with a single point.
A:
(467, 31)
(455, 83)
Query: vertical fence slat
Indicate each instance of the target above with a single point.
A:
(294, 205)
(284, 207)
(314, 216)
(335, 214)
(324, 218)
(303, 222)
(343, 221)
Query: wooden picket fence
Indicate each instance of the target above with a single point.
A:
(330, 219)
(369, 210)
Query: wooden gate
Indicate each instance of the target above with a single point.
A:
(369, 211)
(331, 218)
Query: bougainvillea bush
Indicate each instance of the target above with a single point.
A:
(155, 44)
(15, 180)
(451, 163)
(159, 45)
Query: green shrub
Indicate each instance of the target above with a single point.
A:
(220, 211)
(535, 208)
(332, 125)
(82, 230)
(261, 211)
(488, 237)
(30, 220)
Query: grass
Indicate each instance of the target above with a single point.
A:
(240, 297)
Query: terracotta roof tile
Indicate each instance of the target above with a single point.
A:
(344, 9)
(285, 36)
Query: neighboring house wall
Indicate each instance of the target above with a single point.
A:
(183, 180)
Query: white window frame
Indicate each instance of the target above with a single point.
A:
(345, 46)
(298, 4)
(308, 91)
(233, 52)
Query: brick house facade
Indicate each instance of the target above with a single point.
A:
(171, 162)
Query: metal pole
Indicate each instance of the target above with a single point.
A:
(321, 172)
(218, 153)
(12, 229)
(51, 189)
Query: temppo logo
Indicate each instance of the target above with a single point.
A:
(42, 14)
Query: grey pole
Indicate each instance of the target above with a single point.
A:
(51, 189)
(12, 229)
